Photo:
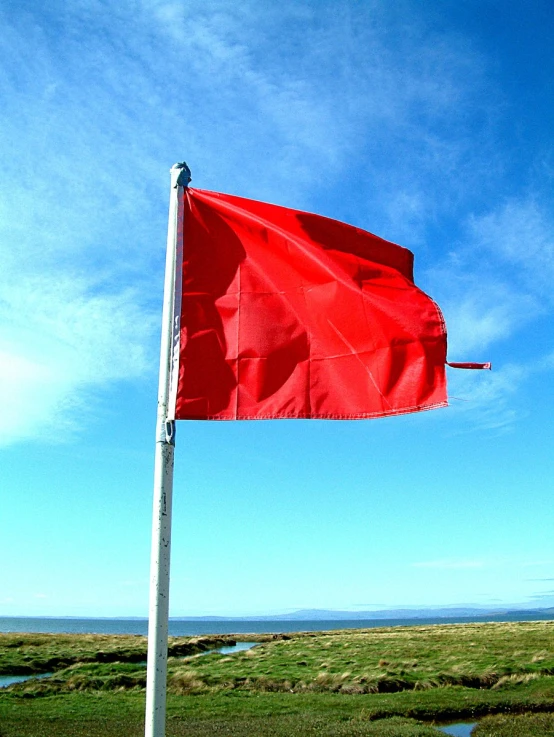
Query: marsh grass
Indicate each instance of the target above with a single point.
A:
(492, 656)
(27, 654)
(526, 725)
(352, 682)
(241, 714)
(384, 660)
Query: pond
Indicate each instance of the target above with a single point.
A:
(459, 729)
(234, 648)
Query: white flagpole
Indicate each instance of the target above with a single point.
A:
(158, 617)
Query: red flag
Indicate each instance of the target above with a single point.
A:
(285, 314)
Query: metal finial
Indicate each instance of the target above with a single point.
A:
(184, 176)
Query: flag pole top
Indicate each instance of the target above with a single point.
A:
(180, 175)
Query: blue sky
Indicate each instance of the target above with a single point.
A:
(429, 124)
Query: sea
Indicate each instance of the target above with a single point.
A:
(221, 626)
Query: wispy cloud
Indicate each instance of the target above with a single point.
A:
(272, 102)
(447, 565)
(545, 597)
(513, 247)
(520, 234)
(492, 285)
(57, 343)
(486, 399)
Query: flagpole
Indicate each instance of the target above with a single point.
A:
(158, 616)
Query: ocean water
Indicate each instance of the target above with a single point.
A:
(192, 627)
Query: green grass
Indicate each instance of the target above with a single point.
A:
(107, 715)
(24, 654)
(405, 714)
(380, 660)
(393, 682)
(527, 725)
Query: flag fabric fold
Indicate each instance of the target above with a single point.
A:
(286, 314)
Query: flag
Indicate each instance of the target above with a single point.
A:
(285, 314)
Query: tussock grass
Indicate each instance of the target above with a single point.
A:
(387, 660)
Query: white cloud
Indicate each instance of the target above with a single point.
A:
(57, 342)
(491, 286)
(480, 311)
(483, 297)
(521, 234)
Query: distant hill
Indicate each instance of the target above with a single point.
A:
(322, 615)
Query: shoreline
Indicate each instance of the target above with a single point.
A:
(186, 627)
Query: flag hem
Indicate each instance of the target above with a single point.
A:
(320, 416)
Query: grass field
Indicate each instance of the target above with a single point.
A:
(386, 681)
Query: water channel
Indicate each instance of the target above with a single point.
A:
(459, 729)
(226, 649)
(6, 681)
